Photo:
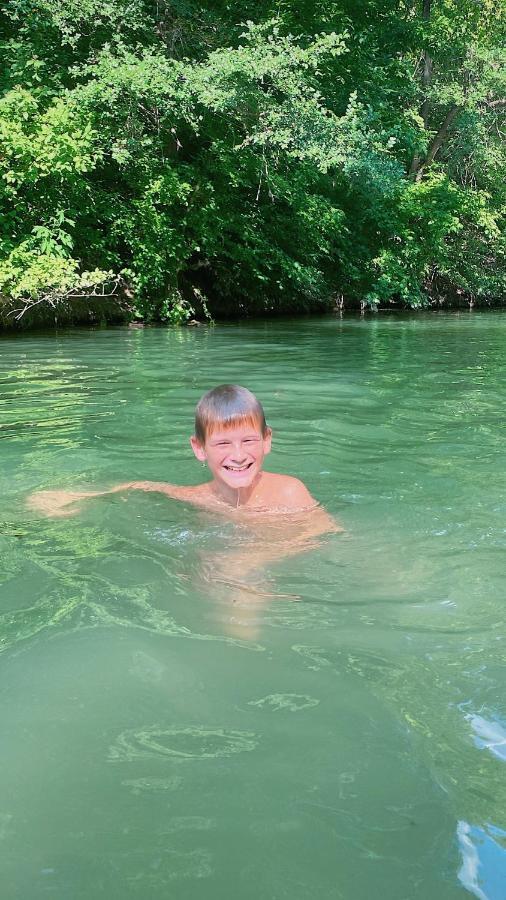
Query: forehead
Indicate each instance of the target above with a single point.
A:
(237, 428)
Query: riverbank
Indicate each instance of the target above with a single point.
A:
(118, 311)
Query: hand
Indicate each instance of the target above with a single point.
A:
(55, 503)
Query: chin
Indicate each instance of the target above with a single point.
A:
(238, 481)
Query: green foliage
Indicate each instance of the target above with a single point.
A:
(221, 168)
(436, 220)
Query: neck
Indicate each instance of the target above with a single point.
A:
(235, 496)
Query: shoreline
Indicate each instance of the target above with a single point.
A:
(92, 320)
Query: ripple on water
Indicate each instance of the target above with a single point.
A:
(180, 743)
(306, 617)
(187, 823)
(146, 667)
(361, 663)
(5, 824)
(170, 865)
(314, 657)
(274, 829)
(290, 702)
(153, 785)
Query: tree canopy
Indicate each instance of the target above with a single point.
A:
(226, 158)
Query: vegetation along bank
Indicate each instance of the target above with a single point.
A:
(168, 161)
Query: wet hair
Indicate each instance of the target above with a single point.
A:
(227, 405)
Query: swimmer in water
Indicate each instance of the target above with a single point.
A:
(232, 438)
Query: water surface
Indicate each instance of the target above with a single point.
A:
(164, 736)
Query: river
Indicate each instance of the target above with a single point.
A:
(343, 738)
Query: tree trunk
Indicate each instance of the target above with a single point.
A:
(428, 64)
(438, 140)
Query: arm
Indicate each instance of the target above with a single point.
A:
(277, 538)
(293, 523)
(56, 503)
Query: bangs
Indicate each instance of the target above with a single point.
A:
(237, 420)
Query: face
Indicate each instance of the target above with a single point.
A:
(234, 455)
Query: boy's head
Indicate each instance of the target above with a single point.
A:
(231, 435)
(225, 406)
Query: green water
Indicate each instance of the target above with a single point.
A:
(355, 746)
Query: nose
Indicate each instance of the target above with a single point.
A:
(238, 453)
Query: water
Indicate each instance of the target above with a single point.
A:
(159, 739)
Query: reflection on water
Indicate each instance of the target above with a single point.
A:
(483, 852)
(489, 735)
(179, 696)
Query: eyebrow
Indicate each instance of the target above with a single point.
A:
(223, 439)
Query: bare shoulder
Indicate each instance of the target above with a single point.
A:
(290, 495)
(287, 492)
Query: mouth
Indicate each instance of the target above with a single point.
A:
(239, 469)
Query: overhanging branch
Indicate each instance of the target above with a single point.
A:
(54, 298)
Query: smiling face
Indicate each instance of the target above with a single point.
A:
(234, 453)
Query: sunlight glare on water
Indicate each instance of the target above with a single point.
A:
(168, 732)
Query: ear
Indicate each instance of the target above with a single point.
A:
(268, 440)
(198, 449)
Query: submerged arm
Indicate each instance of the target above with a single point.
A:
(241, 570)
(275, 539)
(57, 503)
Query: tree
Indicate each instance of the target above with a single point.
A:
(204, 166)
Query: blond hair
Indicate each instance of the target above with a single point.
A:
(225, 406)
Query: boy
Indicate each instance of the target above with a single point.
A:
(232, 438)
